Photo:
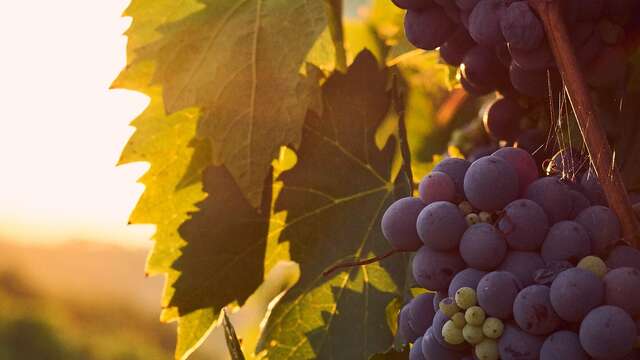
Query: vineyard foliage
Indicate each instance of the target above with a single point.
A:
(274, 131)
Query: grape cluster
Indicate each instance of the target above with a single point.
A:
(500, 45)
(513, 266)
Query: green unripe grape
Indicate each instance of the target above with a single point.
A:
(472, 334)
(595, 265)
(472, 219)
(475, 316)
(487, 350)
(465, 207)
(459, 320)
(493, 328)
(449, 307)
(485, 217)
(466, 297)
(452, 334)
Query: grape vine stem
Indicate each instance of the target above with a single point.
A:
(350, 264)
(592, 130)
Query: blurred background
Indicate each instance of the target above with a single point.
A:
(72, 282)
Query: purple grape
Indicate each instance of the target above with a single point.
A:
(416, 350)
(502, 121)
(622, 289)
(433, 270)
(484, 22)
(404, 329)
(592, 189)
(437, 186)
(466, 278)
(491, 183)
(520, 27)
(515, 344)
(467, 5)
(535, 60)
(603, 228)
(607, 332)
(575, 292)
(474, 89)
(433, 349)
(524, 224)
(533, 312)
(624, 256)
(566, 240)
(533, 83)
(428, 28)
(578, 203)
(563, 345)
(421, 312)
(438, 322)
(522, 265)
(553, 196)
(483, 247)
(440, 225)
(456, 46)
(398, 224)
(456, 169)
(496, 293)
(412, 4)
(522, 162)
(481, 67)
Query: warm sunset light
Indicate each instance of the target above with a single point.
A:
(62, 129)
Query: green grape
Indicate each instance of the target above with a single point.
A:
(475, 316)
(595, 265)
(485, 217)
(472, 219)
(459, 320)
(449, 307)
(465, 207)
(487, 350)
(493, 328)
(452, 334)
(466, 297)
(472, 334)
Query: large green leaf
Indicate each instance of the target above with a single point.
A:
(334, 198)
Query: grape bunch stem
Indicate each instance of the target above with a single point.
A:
(592, 130)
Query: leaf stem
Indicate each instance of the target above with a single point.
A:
(592, 130)
(350, 264)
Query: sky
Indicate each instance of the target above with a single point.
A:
(61, 128)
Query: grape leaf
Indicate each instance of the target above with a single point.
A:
(334, 198)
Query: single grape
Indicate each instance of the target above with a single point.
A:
(405, 331)
(468, 277)
(523, 265)
(563, 345)
(416, 350)
(440, 225)
(452, 334)
(533, 312)
(520, 27)
(579, 202)
(575, 292)
(433, 270)
(484, 22)
(475, 316)
(502, 121)
(524, 224)
(433, 349)
(481, 67)
(472, 334)
(607, 332)
(566, 240)
(437, 186)
(491, 183)
(456, 46)
(472, 219)
(592, 188)
(515, 344)
(421, 312)
(493, 328)
(428, 28)
(483, 247)
(456, 169)
(473, 89)
(449, 307)
(487, 349)
(595, 265)
(459, 320)
(533, 83)
(553, 196)
(538, 59)
(496, 293)
(398, 224)
(522, 162)
(465, 298)
(603, 228)
(624, 256)
(622, 289)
